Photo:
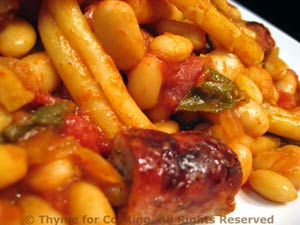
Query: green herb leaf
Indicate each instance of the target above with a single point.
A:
(46, 115)
(50, 114)
(215, 94)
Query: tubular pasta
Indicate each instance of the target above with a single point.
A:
(83, 88)
(72, 23)
(203, 13)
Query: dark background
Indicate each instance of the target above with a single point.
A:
(284, 14)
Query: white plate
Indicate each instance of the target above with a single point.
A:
(250, 207)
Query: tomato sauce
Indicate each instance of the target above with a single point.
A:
(286, 100)
(179, 78)
(85, 132)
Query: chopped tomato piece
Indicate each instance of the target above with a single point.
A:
(179, 78)
(86, 132)
(286, 100)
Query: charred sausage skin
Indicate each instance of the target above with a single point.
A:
(188, 174)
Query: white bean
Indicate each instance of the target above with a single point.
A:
(264, 143)
(144, 82)
(13, 94)
(116, 26)
(171, 47)
(87, 201)
(52, 175)
(168, 126)
(225, 63)
(247, 85)
(254, 118)
(40, 212)
(288, 83)
(272, 186)
(190, 31)
(13, 166)
(37, 72)
(17, 38)
(245, 157)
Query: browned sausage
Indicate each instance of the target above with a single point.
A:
(172, 177)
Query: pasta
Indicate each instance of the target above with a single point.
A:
(78, 78)
(69, 17)
(86, 70)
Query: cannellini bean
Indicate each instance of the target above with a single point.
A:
(265, 160)
(289, 166)
(245, 157)
(168, 126)
(218, 131)
(290, 149)
(275, 65)
(171, 47)
(10, 214)
(46, 146)
(109, 179)
(272, 186)
(283, 123)
(190, 31)
(13, 94)
(52, 175)
(228, 64)
(88, 201)
(38, 210)
(17, 38)
(116, 26)
(13, 166)
(247, 85)
(264, 143)
(263, 80)
(245, 140)
(254, 118)
(37, 72)
(158, 113)
(288, 83)
(144, 82)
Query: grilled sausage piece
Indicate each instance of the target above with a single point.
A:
(174, 177)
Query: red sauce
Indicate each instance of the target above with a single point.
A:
(286, 100)
(179, 78)
(86, 132)
(44, 98)
(59, 198)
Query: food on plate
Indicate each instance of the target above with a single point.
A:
(141, 112)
